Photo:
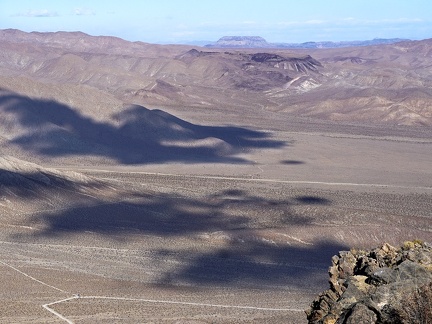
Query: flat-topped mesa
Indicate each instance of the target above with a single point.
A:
(241, 41)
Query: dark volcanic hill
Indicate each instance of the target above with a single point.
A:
(100, 76)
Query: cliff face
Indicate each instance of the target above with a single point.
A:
(385, 285)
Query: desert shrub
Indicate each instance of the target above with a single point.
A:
(416, 308)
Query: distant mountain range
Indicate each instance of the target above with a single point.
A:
(100, 76)
(259, 42)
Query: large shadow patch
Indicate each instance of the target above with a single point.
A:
(135, 136)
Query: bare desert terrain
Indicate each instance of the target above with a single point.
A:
(165, 184)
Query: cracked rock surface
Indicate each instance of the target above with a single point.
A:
(384, 285)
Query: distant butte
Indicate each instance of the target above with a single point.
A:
(259, 42)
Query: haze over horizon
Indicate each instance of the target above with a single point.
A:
(167, 21)
(248, 184)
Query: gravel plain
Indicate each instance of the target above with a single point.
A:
(209, 243)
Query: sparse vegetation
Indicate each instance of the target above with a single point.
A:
(407, 245)
(416, 307)
(227, 178)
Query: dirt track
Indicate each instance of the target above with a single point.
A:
(210, 241)
(179, 247)
(208, 199)
(245, 242)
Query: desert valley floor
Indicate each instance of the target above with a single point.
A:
(246, 241)
(145, 183)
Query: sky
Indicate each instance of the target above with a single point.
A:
(183, 21)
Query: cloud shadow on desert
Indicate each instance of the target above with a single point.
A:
(292, 162)
(257, 264)
(168, 214)
(137, 135)
(242, 257)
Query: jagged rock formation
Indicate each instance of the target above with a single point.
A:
(384, 285)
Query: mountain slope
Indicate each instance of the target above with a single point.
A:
(103, 75)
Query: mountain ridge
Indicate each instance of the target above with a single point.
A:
(259, 42)
(101, 76)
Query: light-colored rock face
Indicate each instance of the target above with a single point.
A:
(376, 286)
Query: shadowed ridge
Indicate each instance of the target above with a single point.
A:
(160, 125)
(53, 129)
(22, 179)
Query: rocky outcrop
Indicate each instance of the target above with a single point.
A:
(384, 285)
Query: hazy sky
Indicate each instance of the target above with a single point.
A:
(174, 21)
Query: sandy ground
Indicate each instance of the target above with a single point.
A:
(211, 242)
(225, 210)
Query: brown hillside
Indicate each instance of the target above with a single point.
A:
(384, 83)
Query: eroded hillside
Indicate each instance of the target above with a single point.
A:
(383, 83)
